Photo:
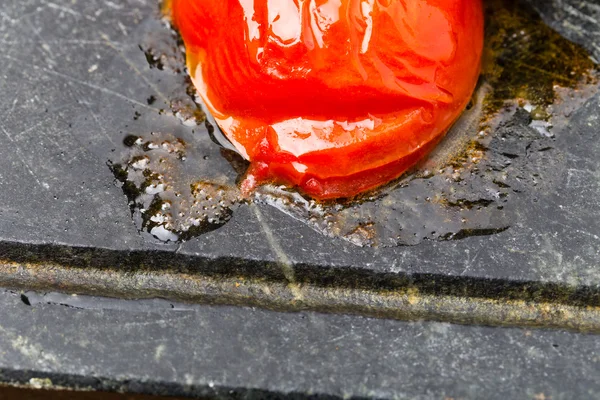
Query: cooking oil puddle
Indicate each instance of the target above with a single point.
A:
(167, 204)
(477, 193)
(499, 158)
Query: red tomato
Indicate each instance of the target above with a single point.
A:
(332, 96)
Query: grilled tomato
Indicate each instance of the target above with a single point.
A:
(334, 97)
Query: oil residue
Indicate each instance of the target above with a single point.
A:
(168, 207)
(526, 59)
(498, 158)
(473, 195)
(178, 183)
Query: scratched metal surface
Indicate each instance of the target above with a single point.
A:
(576, 20)
(242, 353)
(73, 78)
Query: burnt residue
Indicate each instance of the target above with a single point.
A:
(525, 58)
(498, 157)
(154, 61)
(187, 108)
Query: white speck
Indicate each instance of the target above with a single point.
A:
(93, 68)
(39, 383)
(141, 163)
(158, 218)
(162, 234)
(189, 379)
(160, 350)
(122, 28)
(114, 5)
(155, 189)
(186, 121)
(543, 127)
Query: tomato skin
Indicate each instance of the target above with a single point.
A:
(332, 96)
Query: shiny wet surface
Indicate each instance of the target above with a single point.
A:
(334, 98)
(497, 158)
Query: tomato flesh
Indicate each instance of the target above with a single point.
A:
(334, 97)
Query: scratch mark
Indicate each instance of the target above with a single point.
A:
(7, 17)
(135, 69)
(283, 259)
(569, 227)
(471, 261)
(25, 131)
(61, 8)
(146, 323)
(122, 28)
(279, 230)
(96, 121)
(14, 104)
(114, 5)
(45, 46)
(20, 17)
(338, 338)
(579, 14)
(80, 82)
(57, 42)
(20, 155)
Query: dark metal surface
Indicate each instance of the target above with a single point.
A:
(249, 353)
(74, 83)
(20, 393)
(576, 20)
